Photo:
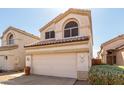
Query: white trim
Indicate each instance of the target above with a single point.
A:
(71, 31)
(70, 28)
(50, 35)
(66, 22)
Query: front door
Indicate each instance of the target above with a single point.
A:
(109, 60)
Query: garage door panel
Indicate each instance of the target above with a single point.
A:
(2, 62)
(63, 65)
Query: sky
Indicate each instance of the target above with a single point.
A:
(106, 23)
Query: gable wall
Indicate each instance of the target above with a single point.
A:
(83, 22)
(20, 39)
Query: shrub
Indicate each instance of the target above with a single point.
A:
(106, 75)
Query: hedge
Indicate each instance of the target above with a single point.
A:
(106, 75)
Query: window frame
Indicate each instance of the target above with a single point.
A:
(70, 30)
(10, 40)
(50, 35)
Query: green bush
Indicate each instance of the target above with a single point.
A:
(106, 75)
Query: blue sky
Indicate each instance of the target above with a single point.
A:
(107, 23)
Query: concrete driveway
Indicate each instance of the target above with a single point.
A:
(12, 78)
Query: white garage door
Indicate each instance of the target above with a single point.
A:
(2, 62)
(63, 65)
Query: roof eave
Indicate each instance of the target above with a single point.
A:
(59, 17)
(111, 40)
(71, 40)
(19, 30)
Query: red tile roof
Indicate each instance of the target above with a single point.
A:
(54, 41)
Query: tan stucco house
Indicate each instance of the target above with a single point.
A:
(12, 53)
(65, 46)
(112, 51)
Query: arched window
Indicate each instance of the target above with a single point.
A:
(71, 29)
(11, 39)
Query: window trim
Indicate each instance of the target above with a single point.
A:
(70, 28)
(71, 32)
(10, 41)
(50, 35)
(46, 35)
(77, 32)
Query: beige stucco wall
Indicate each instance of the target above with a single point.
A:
(23, 40)
(120, 57)
(20, 39)
(83, 23)
(12, 57)
(19, 53)
(90, 55)
(76, 47)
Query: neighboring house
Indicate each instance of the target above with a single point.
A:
(12, 53)
(65, 49)
(112, 51)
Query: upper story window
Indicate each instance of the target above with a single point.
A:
(71, 29)
(11, 40)
(49, 35)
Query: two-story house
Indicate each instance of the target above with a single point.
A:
(65, 48)
(12, 53)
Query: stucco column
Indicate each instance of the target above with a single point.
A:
(28, 60)
(82, 66)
